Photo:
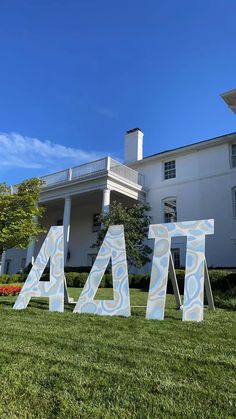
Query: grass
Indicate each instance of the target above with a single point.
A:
(65, 365)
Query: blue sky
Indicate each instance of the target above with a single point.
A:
(75, 75)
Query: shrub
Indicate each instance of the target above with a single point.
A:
(222, 281)
(139, 281)
(11, 279)
(5, 279)
(82, 279)
(225, 300)
(72, 279)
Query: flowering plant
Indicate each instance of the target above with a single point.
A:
(9, 290)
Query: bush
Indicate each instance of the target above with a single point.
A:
(139, 281)
(5, 279)
(72, 279)
(82, 279)
(221, 281)
(225, 300)
(12, 279)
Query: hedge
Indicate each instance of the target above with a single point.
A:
(223, 281)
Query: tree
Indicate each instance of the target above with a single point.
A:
(136, 224)
(19, 214)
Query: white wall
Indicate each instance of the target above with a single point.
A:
(203, 189)
(16, 256)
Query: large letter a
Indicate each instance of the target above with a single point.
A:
(52, 249)
(113, 248)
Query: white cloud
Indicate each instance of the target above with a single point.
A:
(18, 151)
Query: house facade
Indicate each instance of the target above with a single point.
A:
(197, 181)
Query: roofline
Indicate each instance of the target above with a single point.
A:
(203, 144)
(229, 92)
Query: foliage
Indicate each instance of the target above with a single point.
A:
(223, 283)
(56, 365)
(12, 279)
(136, 223)
(19, 214)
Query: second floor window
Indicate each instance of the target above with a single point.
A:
(170, 210)
(233, 155)
(234, 201)
(169, 169)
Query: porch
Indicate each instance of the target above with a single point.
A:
(73, 198)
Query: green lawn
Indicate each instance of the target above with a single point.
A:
(65, 365)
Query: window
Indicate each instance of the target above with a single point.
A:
(23, 262)
(169, 170)
(96, 223)
(176, 257)
(233, 155)
(170, 210)
(91, 258)
(234, 201)
(60, 222)
(7, 266)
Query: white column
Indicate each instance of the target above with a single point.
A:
(30, 253)
(3, 262)
(30, 250)
(66, 224)
(106, 201)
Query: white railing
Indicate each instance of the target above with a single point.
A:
(126, 172)
(89, 168)
(55, 178)
(99, 166)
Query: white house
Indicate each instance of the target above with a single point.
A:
(197, 181)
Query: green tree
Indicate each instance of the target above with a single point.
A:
(136, 222)
(19, 214)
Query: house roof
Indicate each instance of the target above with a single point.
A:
(230, 99)
(190, 147)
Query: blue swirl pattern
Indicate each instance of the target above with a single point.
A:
(113, 248)
(194, 271)
(53, 249)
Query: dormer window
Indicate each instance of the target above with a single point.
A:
(169, 169)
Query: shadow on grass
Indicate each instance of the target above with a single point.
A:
(37, 304)
(6, 303)
(44, 305)
(226, 305)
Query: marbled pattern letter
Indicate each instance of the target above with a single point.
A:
(53, 249)
(194, 271)
(113, 248)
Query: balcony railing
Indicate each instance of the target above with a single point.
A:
(125, 172)
(104, 165)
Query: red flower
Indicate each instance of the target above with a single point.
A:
(9, 290)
